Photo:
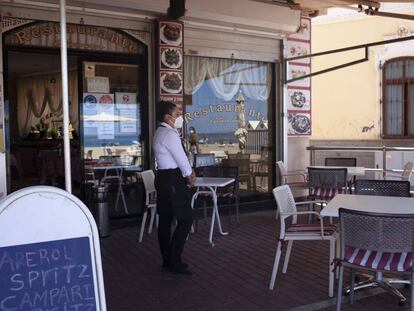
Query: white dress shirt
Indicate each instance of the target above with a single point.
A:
(169, 152)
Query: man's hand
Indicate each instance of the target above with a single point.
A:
(191, 178)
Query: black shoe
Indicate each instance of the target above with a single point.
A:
(180, 264)
(183, 264)
(179, 270)
(166, 266)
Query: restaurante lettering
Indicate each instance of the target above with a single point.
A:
(203, 112)
(50, 32)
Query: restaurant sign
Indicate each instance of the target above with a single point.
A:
(81, 37)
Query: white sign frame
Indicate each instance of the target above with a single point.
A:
(44, 213)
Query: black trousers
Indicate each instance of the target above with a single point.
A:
(173, 201)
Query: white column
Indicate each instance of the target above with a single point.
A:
(65, 96)
(3, 181)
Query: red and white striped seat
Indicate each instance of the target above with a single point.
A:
(300, 232)
(309, 229)
(393, 262)
(326, 193)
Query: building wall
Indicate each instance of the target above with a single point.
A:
(346, 102)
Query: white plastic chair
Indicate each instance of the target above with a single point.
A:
(286, 178)
(295, 231)
(148, 179)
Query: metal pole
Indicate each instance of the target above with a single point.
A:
(384, 161)
(65, 96)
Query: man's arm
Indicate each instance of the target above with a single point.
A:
(173, 143)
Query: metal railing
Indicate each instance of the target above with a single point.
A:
(383, 149)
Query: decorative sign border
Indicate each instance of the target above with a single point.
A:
(170, 60)
(298, 95)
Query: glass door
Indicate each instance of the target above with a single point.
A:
(112, 133)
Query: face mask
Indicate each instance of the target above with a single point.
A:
(178, 123)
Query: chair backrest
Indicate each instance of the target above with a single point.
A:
(376, 231)
(282, 168)
(391, 188)
(408, 170)
(148, 178)
(285, 202)
(204, 159)
(242, 164)
(114, 160)
(345, 162)
(327, 178)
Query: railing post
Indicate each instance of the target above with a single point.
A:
(311, 155)
(384, 161)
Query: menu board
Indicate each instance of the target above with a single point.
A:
(52, 261)
(298, 95)
(52, 275)
(170, 60)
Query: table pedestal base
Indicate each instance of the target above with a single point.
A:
(380, 281)
(212, 192)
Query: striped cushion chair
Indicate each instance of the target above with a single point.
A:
(325, 194)
(376, 242)
(325, 183)
(296, 231)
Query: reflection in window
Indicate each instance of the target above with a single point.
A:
(227, 113)
(111, 114)
(112, 134)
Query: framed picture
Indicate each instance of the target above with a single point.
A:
(171, 33)
(171, 83)
(298, 99)
(299, 123)
(296, 71)
(97, 84)
(125, 100)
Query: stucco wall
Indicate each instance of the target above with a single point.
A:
(346, 102)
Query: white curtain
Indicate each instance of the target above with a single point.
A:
(225, 77)
(41, 95)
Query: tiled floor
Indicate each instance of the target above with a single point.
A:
(233, 275)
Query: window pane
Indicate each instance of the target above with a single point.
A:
(112, 136)
(227, 112)
(411, 110)
(409, 68)
(394, 112)
(394, 70)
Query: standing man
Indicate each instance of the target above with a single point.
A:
(172, 182)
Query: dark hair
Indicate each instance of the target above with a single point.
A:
(165, 108)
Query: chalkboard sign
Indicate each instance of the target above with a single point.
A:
(53, 261)
(53, 275)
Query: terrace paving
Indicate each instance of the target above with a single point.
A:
(233, 275)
